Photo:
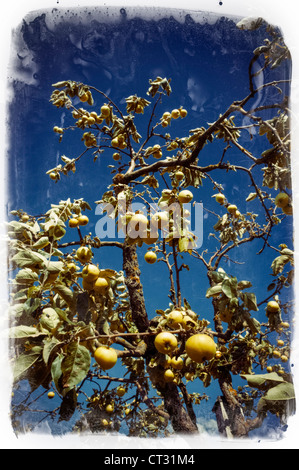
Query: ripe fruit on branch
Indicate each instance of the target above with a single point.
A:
(90, 272)
(150, 257)
(165, 342)
(101, 285)
(105, 110)
(179, 175)
(282, 200)
(177, 363)
(160, 220)
(53, 176)
(220, 198)
(232, 208)
(83, 97)
(166, 116)
(168, 376)
(120, 391)
(83, 220)
(84, 254)
(189, 376)
(175, 113)
(200, 347)
(106, 357)
(109, 408)
(273, 306)
(183, 112)
(73, 223)
(175, 318)
(137, 223)
(185, 196)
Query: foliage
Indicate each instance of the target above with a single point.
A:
(60, 316)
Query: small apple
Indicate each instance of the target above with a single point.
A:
(165, 342)
(168, 376)
(282, 200)
(185, 196)
(273, 306)
(150, 257)
(200, 347)
(232, 208)
(106, 357)
(220, 198)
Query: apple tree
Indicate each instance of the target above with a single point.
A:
(74, 322)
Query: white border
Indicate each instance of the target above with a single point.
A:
(283, 14)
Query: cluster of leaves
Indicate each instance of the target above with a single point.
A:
(57, 323)
(52, 316)
(276, 393)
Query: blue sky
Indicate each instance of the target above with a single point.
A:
(208, 65)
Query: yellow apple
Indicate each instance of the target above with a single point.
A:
(273, 306)
(150, 257)
(106, 357)
(282, 200)
(165, 342)
(200, 347)
(185, 196)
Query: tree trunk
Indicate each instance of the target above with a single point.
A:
(229, 414)
(134, 286)
(180, 419)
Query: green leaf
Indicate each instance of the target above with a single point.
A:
(279, 263)
(31, 305)
(41, 243)
(260, 380)
(26, 258)
(49, 318)
(23, 331)
(218, 276)
(26, 276)
(75, 365)
(215, 290)
(54, 267)
(249, 300)
(244, 285)
(16, 310)
(49, 345)
(251, 197)
(67, 294)
(63, 315)
(229, 287)
(25, 361)
(276, 396)
(56, 371)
